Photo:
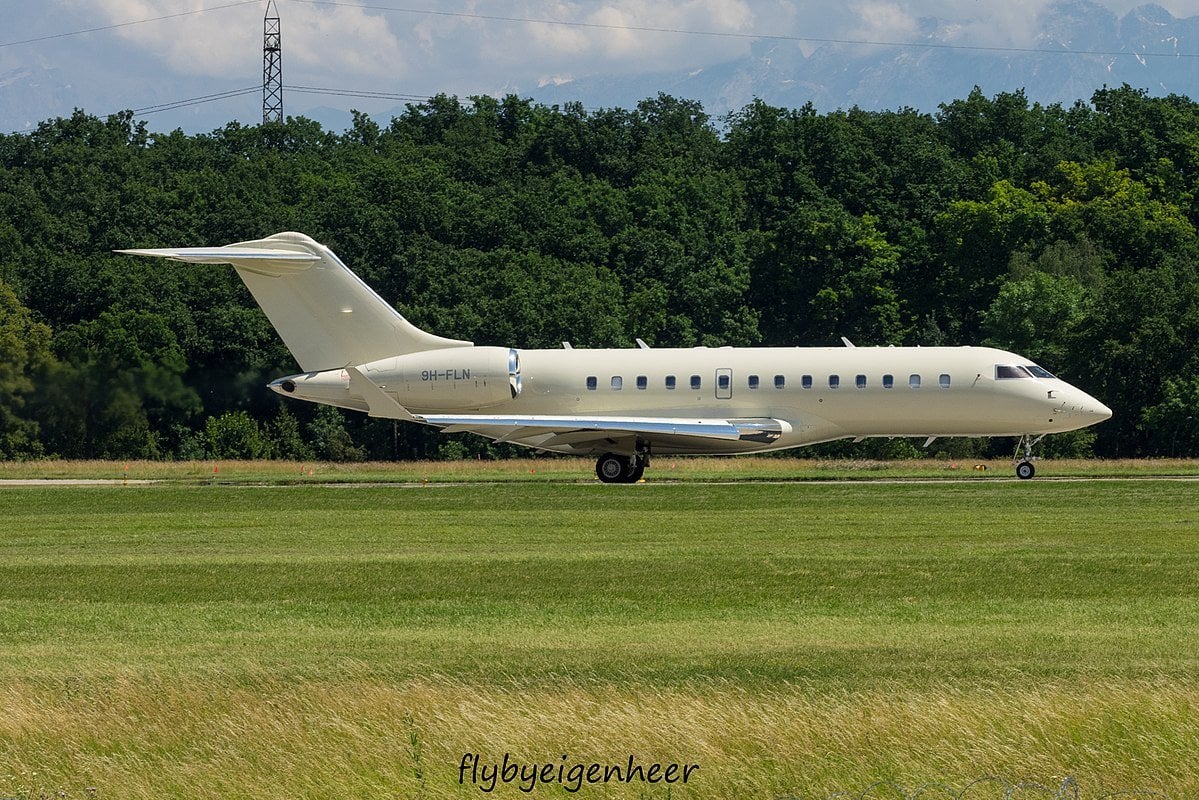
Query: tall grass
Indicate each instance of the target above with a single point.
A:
(306, 641)
(555, 469)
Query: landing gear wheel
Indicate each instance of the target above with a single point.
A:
(1024, 467)
(635, 474)
(612, 468)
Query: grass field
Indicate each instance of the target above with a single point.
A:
(799, 639)
(561, 469)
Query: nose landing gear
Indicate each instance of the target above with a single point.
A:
(1024, 465)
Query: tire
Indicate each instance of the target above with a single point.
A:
(611, 468)
(1025, 470)
(635, 474)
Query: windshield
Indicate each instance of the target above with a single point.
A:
(1006, 371)
(1039, 372)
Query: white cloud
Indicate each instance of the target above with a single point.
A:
(225, 42)
(605, 37)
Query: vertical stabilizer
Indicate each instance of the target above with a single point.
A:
(325, 314)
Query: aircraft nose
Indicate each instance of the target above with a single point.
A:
(1078, 403)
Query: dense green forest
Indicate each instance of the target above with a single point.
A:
(1063, 233)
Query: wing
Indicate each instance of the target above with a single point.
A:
(581, 434)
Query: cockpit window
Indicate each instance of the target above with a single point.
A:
(1005, 371)
(1039, 372)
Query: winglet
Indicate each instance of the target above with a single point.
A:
(379, 404)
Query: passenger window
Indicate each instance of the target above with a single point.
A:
(670, 382)
(722, 382)
(695, 382)
(860, 381)
(944, 380)
(806, 381)
(753, 381)
(779, 381)
(834, 381)
(617, 383)
(888, 381)
(642, 382)
(914, 381)
(592, 383)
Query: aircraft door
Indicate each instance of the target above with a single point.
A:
(724, 384)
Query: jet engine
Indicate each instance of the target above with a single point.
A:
(452, 378)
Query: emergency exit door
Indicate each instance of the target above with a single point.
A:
(724, 384)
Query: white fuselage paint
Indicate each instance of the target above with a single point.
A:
(974, 403)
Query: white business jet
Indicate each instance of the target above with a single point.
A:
(623, 406)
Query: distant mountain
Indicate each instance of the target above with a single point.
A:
(831, 76)
(26, 93)
(883, 77)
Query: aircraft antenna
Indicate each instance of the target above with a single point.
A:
(272, 66)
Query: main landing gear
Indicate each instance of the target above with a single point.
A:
(614, 468)
(1024, 465)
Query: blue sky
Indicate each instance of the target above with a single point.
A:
(360, 46)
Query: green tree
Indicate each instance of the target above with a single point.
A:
(119, 388)
(25, 355)
(1037, 316)
(1172, 425)
(234, 435)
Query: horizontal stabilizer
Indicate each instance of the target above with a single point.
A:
(325, 314)
(260, 260)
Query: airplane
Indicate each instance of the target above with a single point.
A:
(624, 406)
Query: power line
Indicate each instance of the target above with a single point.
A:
(736, 35)
(127, 24)
(195, 101)
(363, 93)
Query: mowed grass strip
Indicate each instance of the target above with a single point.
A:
(310, 641)
(565, 469)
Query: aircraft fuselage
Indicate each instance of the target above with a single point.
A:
(821, 393)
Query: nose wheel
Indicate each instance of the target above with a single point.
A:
(1024, 461)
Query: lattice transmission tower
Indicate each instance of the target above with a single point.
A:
(272, 66)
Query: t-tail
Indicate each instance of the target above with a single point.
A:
(325, 314)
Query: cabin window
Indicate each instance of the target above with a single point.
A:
(914, 381)
(834, 381)
(642, 382)
(722, 382)
(696, 382)
(592, 383)
(670, 382)
(1039, 372)
(753, 381)
(779, 381)
(806, 381)
(1006, 371)
(888, 381)
(617, 383)
(944, 380)
(860, 381)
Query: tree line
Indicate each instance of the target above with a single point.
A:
(1066, 234)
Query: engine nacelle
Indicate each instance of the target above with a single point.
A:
(453, 378)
